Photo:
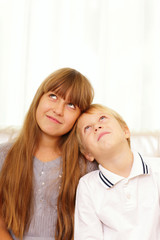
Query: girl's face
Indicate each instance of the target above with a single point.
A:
(55, 115)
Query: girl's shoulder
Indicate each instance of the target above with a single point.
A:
(4, 148)
(91, 166)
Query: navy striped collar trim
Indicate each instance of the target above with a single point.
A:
(109, 184)
(105, 180)
(144, 165)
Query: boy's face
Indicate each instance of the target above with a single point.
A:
(101, 134)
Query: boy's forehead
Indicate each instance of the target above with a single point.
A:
(95, 113)
(86, 118)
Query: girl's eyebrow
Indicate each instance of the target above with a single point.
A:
(67, 100)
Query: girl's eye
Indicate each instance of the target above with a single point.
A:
(53, 96)
(102, 118)
(71, 105)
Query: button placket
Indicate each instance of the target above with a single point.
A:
(46, 173)
(127, 190)
(129, 195)
(42, 184)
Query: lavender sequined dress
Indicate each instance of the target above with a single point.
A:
(46, 184)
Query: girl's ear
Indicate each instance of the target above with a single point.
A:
(89, 157)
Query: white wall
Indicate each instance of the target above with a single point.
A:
(115, 43)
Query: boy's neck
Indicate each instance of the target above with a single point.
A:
(119, 163)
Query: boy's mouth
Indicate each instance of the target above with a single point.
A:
(102, 134)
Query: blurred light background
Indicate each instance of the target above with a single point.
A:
(115, 43)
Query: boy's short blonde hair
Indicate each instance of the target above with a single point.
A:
(108, 110)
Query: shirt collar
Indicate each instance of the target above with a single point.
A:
(139, 167)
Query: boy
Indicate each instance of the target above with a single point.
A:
(120, 201)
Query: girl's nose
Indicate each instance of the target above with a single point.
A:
(59, 109)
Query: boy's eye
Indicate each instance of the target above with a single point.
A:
(53, 96)
(102, 118)
(71, 105)
(87, 128)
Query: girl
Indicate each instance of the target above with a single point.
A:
(37, 191)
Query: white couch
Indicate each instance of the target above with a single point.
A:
(147, 144)
(8, 134)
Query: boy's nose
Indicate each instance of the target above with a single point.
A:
(97, 128)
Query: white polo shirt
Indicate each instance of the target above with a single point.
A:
(111, 207)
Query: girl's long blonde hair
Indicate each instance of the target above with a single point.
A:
(16, 178)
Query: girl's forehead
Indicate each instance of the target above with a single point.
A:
(71, 95)
(63, 94)
(66, 96)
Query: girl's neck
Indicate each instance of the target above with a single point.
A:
(47, 149)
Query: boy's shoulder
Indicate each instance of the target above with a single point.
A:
(90, 178)
(153, 163)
